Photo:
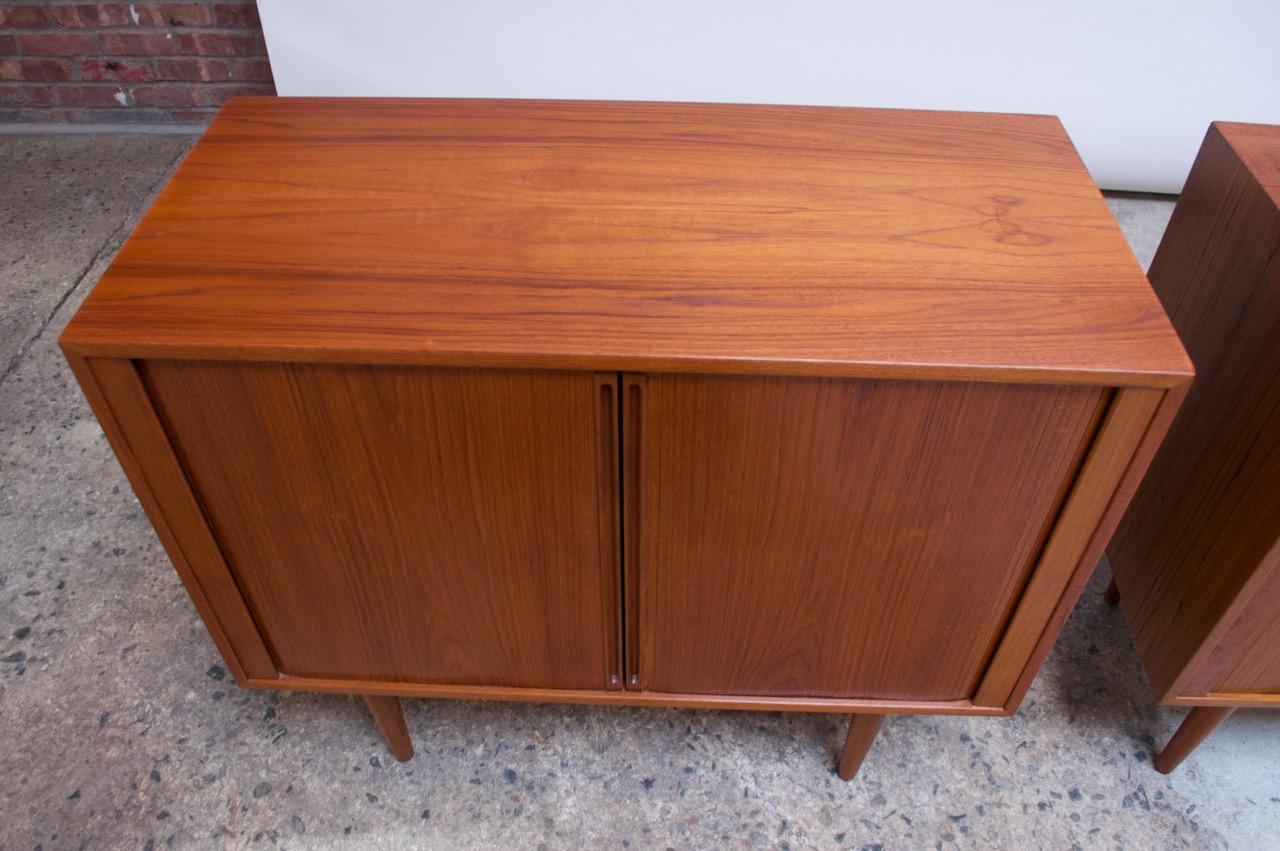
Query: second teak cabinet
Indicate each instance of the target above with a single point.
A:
(740, 407)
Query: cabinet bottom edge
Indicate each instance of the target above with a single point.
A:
(605, 697)
(1261, 700)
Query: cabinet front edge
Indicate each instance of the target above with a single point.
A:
(1173, 376)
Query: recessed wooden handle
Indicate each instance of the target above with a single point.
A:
(607, 463)
(632, 442)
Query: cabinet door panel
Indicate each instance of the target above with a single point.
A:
(838, 538)
(407, 524)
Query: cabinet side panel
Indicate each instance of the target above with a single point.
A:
(125, 412)
(1243, 656)
(826, 537)
(1206, 515)
(1136, 421)
(1222, 236)
(408, 524)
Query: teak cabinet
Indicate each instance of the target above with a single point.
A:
(651, 404)
(1197, 559)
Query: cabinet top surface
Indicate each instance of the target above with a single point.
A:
(1258, 147)
(637, 236)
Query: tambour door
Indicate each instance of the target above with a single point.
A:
(832, 537)
(409, 524)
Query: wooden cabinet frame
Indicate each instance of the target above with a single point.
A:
(620, 243)
(1118, 455)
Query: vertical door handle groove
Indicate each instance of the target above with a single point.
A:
(632, 443)
(609, 489)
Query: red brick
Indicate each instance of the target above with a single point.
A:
(23, 15)
(138, 44)
(219, 94)
(106, 70)
(218, 44)
(92, 96)
(24, 95)
(92, 15)
(173, 14)
(237, 15)
(203, 70)
(45, 70)
(57, 44)
(170, 95)
(252, 70)
(8, 45)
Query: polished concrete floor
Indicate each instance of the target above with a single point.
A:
(119, 728)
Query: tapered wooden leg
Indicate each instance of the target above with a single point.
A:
(1201, 721)
(387, 713)
(862, 732)
(1112, 594)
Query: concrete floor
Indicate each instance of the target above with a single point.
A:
(119, 727)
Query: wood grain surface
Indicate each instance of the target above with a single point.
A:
(842, 538)
(629, 697)
(1133, 425)
(1197, 559)
(120, 402)
(406, 524)
(1255, 146)
(632, 403)
(635, 236)
(1251, 645)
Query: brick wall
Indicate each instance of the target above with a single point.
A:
(134, 62)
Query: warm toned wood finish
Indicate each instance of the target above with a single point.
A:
(1132, 428)
(402, 523)
(1112, 595)
(128, 419)
(633, 411)
(862, 734)
(1199, 723)
(842, 538)
(1253, 641)
(389, 716)
(1197, 559)
(609, 493)
(632, 404)
(629, 697)
(636, 236)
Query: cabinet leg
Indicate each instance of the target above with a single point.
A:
(1112, 595)
(862, 732)
(389, 716)
(1201, 721)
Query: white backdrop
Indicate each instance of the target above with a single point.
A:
(1136, 82)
